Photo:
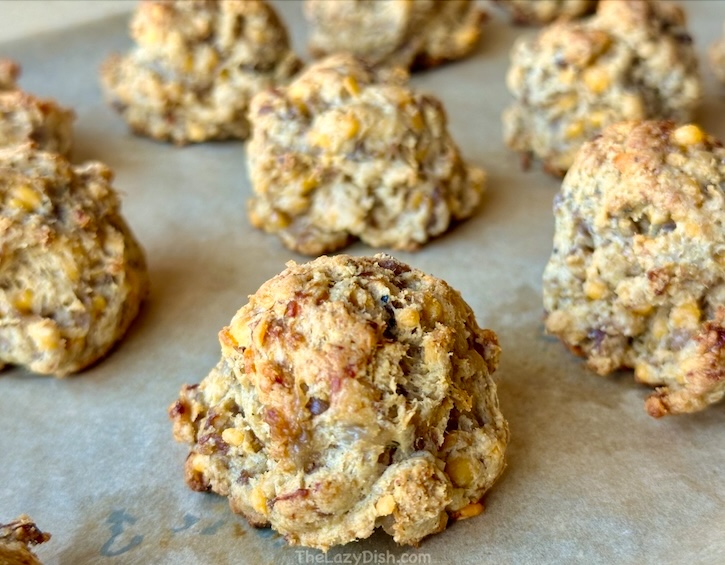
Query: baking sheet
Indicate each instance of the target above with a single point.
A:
(591, 478)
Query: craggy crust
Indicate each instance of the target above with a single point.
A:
(419, 34)
(9, 73)
(717, 58)
(25, 118)
(352, 392)
(538, 12)
(637, 275)
(16, 539)
(196, 66)
(632, 60)
(72, 276)
(348, 151)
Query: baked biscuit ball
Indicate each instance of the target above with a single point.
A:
(25, 118)
(632, 60)
(349, 151)
(352, 392)
(537, 12)
(717, 58)
(196, 65)
(16, 538)
(419, 34)
(71, 273)
(9, 73)
(637, 275)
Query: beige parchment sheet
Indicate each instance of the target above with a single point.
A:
(590, 479)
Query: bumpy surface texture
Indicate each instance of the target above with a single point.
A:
(196, 66)
(351, 393)
(9, 73)
(25, 118)
(535, 12)
(16, 538)
(71, 274)
(637, 275)
(419, 34)
(348, 151)
(717, 58)
(632, 60)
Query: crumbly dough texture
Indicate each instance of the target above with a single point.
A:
(637, 275)
(537, 12)
(632, 60)
(717, 58)
(352, 392)
(349, 151)
(16, 538)
(9, 73)
(196, 66)
(72, 276)
(25, 118)
(419, 34)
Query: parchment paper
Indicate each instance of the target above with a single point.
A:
(590, 479)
